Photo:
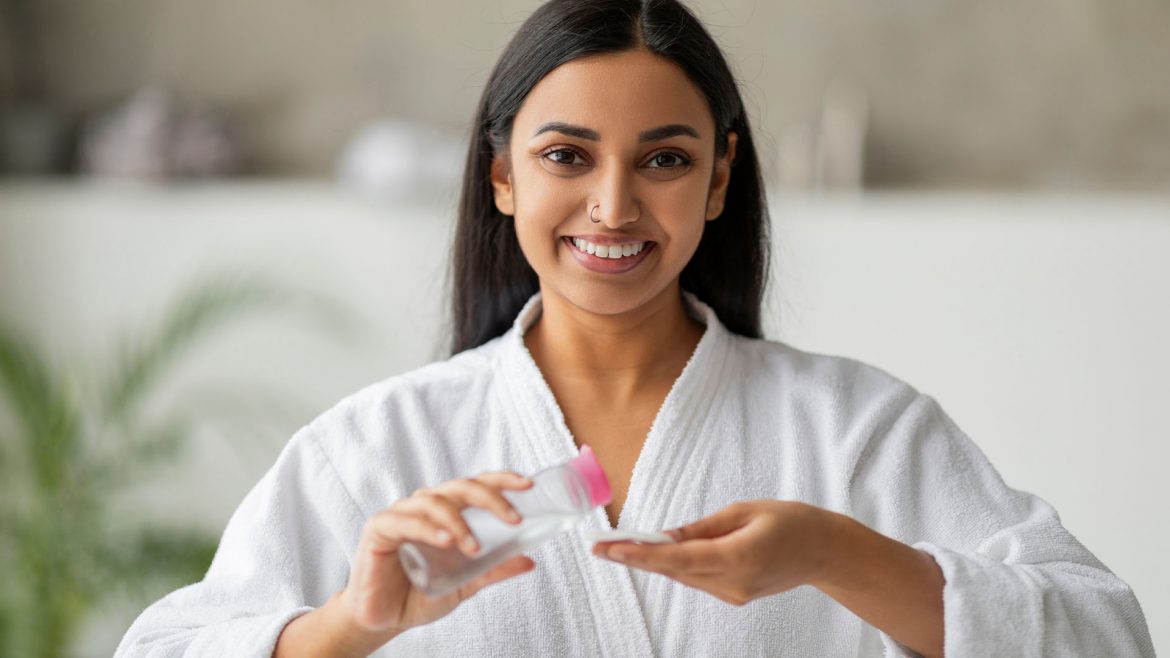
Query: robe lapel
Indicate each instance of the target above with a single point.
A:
(618, 613)
(657, 481)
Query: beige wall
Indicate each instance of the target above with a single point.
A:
(1050, 93)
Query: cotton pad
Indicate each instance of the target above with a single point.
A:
(628, 535)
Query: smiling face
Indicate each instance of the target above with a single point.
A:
(629, 138)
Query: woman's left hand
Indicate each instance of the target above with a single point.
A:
(743, 552)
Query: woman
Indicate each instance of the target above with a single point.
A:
(609, 266)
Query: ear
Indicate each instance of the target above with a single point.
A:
(501, 175)
(720, 177)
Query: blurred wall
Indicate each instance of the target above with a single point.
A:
(1057, 94)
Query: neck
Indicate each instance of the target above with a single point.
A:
(613, 356)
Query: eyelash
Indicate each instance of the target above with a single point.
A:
(684, 161)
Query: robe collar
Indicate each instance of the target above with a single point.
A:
(677, 425)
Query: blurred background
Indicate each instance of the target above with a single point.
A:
(219, 218)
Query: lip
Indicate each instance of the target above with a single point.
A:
(608, 265)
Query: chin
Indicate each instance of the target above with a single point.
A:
(603, 299)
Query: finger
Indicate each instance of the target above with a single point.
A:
(503, 571)
(443, 512)
(477, 493)
(505, 479)
(696, 557)
(724, 521)
(386, 531)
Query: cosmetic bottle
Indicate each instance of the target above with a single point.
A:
(559, 498)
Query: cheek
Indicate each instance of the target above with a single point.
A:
(683, 216)
(541, 209)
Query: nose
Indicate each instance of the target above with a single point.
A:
(615, 199)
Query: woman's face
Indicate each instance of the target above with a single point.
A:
(630, 134)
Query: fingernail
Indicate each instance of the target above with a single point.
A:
(470, 544)
(513, 515)
(443, 536)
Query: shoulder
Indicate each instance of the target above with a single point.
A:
(829, 380)
(833, 406)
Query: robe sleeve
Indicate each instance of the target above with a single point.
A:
(280, 556)
(1017, 582)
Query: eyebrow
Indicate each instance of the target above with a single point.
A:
(653, 135)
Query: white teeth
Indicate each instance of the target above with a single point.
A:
(609, 251)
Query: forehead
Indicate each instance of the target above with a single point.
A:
(618, 94)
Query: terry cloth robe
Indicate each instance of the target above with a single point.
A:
(747, 419)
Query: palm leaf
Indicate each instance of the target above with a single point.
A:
(62, 548)
(250, 420)
(47, 415)
(197, 312)
(26, 382)
(135, 452)
(141, 562)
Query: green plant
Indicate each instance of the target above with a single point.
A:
(75, 442)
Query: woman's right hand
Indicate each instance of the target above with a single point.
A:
(379, 597)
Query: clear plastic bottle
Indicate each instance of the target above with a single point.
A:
(559, 497)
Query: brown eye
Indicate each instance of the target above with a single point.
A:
(563, 157)
(669, 160)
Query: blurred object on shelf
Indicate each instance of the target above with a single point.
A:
(957, 95)
(33, 131)
(131, 140)
(33, 139)
(394, 158)
(844, 121)
(205, 145)
(828, 153)
(22, 64)
(153, 137)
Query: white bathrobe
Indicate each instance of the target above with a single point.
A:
(747, 419)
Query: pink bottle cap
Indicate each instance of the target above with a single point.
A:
(587, 467)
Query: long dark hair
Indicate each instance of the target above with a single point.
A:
(729, 269)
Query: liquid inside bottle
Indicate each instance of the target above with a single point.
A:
(558, 499)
